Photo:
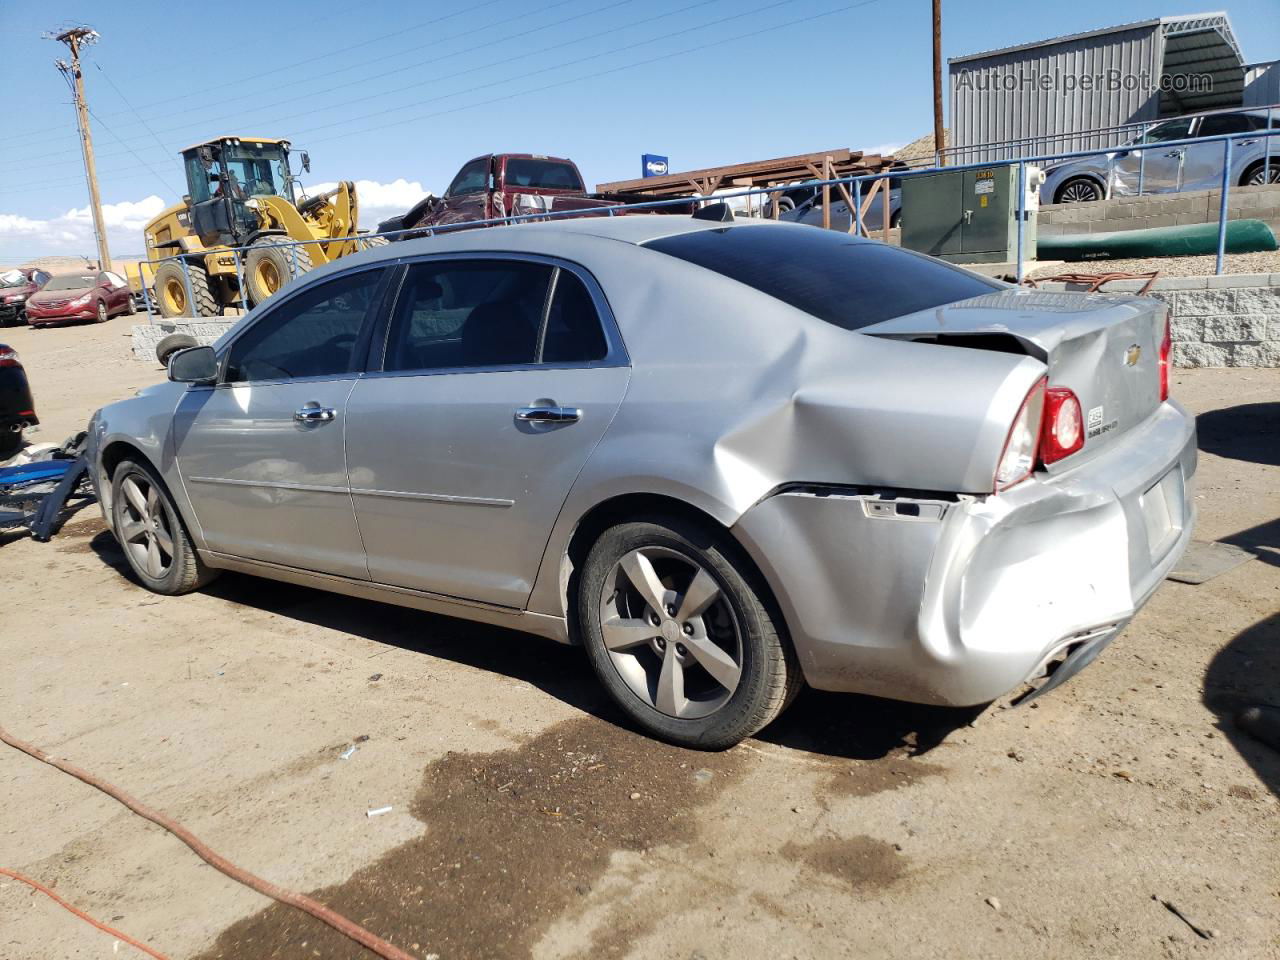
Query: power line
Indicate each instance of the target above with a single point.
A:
(519, 34)
(328, 108)
(321, 56)
(120, 94)
(168, 186)
(697, 48)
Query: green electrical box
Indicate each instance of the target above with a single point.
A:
(970, 216)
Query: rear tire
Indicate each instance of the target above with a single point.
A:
(1253, 177)
(151, 533)
(171, 290)
(269, 266)
(1078, 190)
(714, 668)
(171, 344)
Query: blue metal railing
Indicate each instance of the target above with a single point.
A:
(364, 241)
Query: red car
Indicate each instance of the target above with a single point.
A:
(80, 296)
(15, 287)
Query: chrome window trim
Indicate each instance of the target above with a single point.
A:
(615, 355)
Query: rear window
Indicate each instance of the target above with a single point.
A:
(542, 174)
(835, 277)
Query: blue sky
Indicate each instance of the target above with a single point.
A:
(400, 94)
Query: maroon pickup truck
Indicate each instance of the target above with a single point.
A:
(500, 185)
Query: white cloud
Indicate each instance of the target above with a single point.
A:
(379, 200)
(71, 233)
(885, 148)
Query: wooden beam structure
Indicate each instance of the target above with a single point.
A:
(760, 173)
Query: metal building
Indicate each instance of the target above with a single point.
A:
(1049, 91)
(1262, 84)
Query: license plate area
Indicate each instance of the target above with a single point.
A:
(1162, 511)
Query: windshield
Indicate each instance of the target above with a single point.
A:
(542, 174)
(12, 278)
(847, 282)
(259, 168)
(71, 281)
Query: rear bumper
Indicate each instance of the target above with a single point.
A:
(959, 601)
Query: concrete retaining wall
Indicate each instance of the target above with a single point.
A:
(147, 335)
(1160, 210)
(1227, 321)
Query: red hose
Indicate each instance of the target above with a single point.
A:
(302, 902)
(82, 915)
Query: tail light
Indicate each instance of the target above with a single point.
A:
(8, 357)
(1062, 433)
(1018, 457)
(1166, 346)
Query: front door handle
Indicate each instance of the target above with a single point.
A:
(1174, 153)
(549, 414)
(312, 412)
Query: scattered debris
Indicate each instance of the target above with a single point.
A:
(346, 754)
(377, 811)
(375, 678)
(1198, 931)
(993, 903)
(1123, 775)
(363, 738)
(1204, 560)
(1015, 755)
(635, 796)
(703, 776)
(1262, 723)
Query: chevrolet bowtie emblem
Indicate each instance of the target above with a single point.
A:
(1131, 355)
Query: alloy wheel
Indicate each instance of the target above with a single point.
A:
(1260, 177)
(102, 312)
(671, 633)
(147, 528)
(1078, 192)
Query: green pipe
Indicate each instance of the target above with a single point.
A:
(1187, 240)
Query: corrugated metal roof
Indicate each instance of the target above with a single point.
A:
(1089, 34)
(1262, 84)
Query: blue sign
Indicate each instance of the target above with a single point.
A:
(653, 165)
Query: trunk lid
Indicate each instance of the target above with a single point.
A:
(1105, 348)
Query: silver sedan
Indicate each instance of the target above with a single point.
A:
(726, 459)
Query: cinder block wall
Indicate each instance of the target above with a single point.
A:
(1160, 210)
(1227, 321)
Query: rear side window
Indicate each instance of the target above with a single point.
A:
(468, 313)
(845, 281)
(542, 174)
(1221, 123)
(573, 333)
(311, 335)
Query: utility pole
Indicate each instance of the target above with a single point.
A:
(939, 135)
(75, 38)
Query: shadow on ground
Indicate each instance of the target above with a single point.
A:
(836, 725)
(1245, 672)
(1250, 432)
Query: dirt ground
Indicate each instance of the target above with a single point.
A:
(852, 827)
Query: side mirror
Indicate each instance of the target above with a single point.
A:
(306, 162)
(194, 365)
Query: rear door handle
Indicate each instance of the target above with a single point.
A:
(549, 414)
(312, 412)
(1174, 153)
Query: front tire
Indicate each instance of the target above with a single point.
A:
(680, 636)
(102, 312)
(150, 532)
(1079, 190)
(172, 292)
(270, 265)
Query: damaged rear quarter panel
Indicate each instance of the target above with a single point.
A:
(735, 394)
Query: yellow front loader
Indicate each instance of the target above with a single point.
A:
(242, 193)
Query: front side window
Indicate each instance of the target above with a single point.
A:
(472, 178)
(113, 279)
(845, 281)
(313, 334)
(1172, 130)
(468, 313)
